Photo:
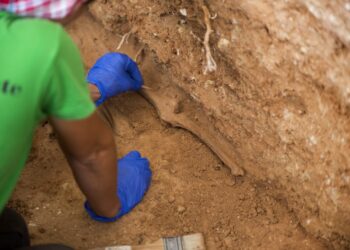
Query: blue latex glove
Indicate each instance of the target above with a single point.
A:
(114, 73)
(134, 178)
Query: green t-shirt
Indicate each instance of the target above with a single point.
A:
(41, 74)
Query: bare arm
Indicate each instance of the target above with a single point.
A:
(90, 149)
(94, 92)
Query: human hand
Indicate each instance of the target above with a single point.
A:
(114, 73)
(134, 178)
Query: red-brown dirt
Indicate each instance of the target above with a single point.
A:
(275, 112)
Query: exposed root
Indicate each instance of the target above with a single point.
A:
(196, 37)
(138, 53)
(213, 17)
(211, 64)
(146, 87)
(124, 39)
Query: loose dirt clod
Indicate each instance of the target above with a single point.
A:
(171, 199)
(181, 209)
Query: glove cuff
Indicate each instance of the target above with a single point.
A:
(99, 218)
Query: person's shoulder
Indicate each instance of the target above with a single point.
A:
(40, 39)
(38, 30)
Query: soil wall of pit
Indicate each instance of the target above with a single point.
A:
(277, 105)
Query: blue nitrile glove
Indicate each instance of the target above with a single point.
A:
(114, 73)
(134, 178)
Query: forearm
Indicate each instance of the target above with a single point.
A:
(97, 178)
(90, 149)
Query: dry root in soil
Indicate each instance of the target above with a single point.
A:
(211, 64)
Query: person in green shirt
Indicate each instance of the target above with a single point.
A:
(42, 77)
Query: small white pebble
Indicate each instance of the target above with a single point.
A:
(183, 12)
(312, 140)
(347, 6)
(223, 43)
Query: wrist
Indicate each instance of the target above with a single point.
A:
(95, 93)
(109, 217)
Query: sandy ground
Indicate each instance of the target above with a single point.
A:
(192, 191)
(278, 100)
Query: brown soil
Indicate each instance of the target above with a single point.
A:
(277, 106)
(192, 190)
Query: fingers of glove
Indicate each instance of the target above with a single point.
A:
(134, 181)
(126, 82)
(133, 167)
(112, 61)
(109, 83)
(140, 164)
(134, 159)
(117, 73)
(133, 155)
(134, 72)
(132, 186)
